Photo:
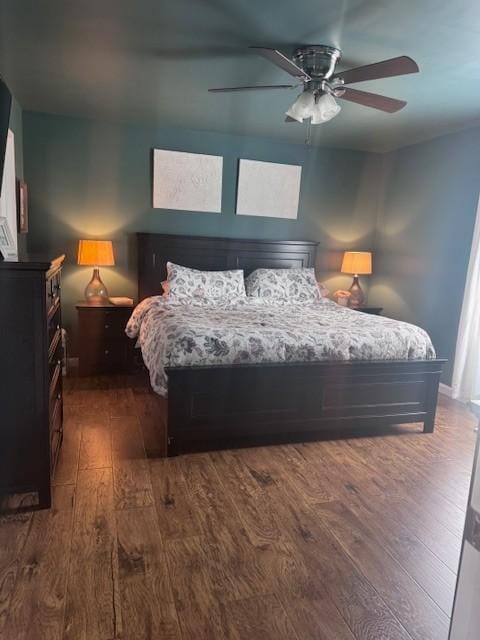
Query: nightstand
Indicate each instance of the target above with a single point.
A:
(102, 344)
(374, 311)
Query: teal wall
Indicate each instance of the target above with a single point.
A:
(94, 179)
(428, 197)
(415, 208)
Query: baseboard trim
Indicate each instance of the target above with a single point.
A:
(445, 389)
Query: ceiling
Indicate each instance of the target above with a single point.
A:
(153, 60)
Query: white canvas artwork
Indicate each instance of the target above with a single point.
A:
(268, 189)
(187, 181)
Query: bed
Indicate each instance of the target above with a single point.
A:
(214, 394)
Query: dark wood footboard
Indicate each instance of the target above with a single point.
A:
(285, 401)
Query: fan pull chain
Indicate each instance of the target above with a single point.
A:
(308, 139)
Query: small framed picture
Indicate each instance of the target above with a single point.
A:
(22, 207)
(8, 249)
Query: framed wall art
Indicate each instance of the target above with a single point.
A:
(268, 189)
(187, 181)
(22, 199)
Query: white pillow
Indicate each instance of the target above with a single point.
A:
(289, 285)
(187, 284)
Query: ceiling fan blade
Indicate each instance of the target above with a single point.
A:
(258, 87)
(281, 60)
(373, 100)
(386, 69)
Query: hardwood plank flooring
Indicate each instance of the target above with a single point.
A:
(92, 607)
(145, 590)
(132, 485)
(14, 531)
(351, 539)
(37, 608)
(419, 561)
(410, 604)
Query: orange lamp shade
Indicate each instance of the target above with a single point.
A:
(95, 253)
(357, 262)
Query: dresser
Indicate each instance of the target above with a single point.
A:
(103, 345)
(31, 406)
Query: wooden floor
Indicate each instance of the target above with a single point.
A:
(336, 540)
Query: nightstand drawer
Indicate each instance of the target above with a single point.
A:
(103, 345)
(104, 322)
(113, 357)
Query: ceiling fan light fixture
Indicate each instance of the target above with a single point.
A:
(325, 109)
(314, 65)
(302, 107)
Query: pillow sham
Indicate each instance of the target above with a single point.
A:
(290, 285)
(187, 284)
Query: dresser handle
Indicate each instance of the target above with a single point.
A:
(59, 396)
(58, 327)
(107, 326)
(107, 352)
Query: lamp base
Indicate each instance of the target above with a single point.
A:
(95, 291)
(357, 297)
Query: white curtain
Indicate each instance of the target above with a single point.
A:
(466, 372)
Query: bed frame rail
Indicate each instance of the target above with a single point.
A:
(222, 403)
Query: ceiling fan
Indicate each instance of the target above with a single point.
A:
(314, 67)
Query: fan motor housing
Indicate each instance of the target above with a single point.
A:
(317, 60)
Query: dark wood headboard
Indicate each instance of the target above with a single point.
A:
(214, 254)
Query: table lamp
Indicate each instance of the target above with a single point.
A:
(96, 253)
(357, 263)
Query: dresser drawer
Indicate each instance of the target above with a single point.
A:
(55, 391)
(55, 353)
(55, 444)
(52, 290)
(55, 423)
(54, 342)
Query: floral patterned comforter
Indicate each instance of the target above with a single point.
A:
(253, 331)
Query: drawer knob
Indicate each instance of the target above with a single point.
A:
(59, 396)
(107, 352)
(58, 327)
(107, 326)
(59, 362)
